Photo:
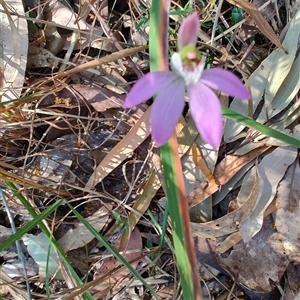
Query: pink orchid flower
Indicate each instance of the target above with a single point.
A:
(187, 75)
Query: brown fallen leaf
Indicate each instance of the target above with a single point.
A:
(79, 235)
(236, 237)
(230, 222)
(292, 286)
(205, 252)
(286, 218)
(271, 169)
(224, 171)
(124, 149)
(260, 21)
(256, 265)
(130, 252)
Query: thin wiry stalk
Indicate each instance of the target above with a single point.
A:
(18, 246)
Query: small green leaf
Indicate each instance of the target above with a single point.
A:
(236, 15)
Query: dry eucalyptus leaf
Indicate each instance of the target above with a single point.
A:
(5, 233)
(266, 80)
(131, 251)
(199, 159)
(233, 183)
(270, 171)
(283, 61)
(99, 97)
(256, 265)
(224, 171)
(286, 218)
(124, 149)
(286, 92)
(14, 48)
(80, 235)
(292, 288)
(279, 244)
(230, 222)
(63, 15)
(44, 254)
(14, 269)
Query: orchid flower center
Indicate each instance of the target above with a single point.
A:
(188, 64)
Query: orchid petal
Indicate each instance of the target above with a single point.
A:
(207, 113)
(188, 31)
(148, 86)
(225, 81)
(166, 111)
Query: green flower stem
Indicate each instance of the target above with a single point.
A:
(173, 176)
(180, 220)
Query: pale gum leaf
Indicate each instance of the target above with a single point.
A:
(224, 171)
(258, 83)
(295, 133)
(13, 50)
(286, 218)
(289, 116)
(197, 166)
(283, 62)
(263, 140)
(233, 183)
(270, 171)
(61, 14)
(230, 222)
(198, 170)
(236, 237)
(285, 94)
(38, 248)
(260, 139)
(79, 236)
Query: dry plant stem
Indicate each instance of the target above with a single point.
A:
(275, 2)
(1, 77)
(67, 57)
(216, 22)
(94, 63)
(110, 35)
(237, 24)
(18, 246)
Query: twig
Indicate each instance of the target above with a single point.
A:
(216, 22)
(111, 35)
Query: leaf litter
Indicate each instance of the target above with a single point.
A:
(75, 142)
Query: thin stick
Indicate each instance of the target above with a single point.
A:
(18, 246)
